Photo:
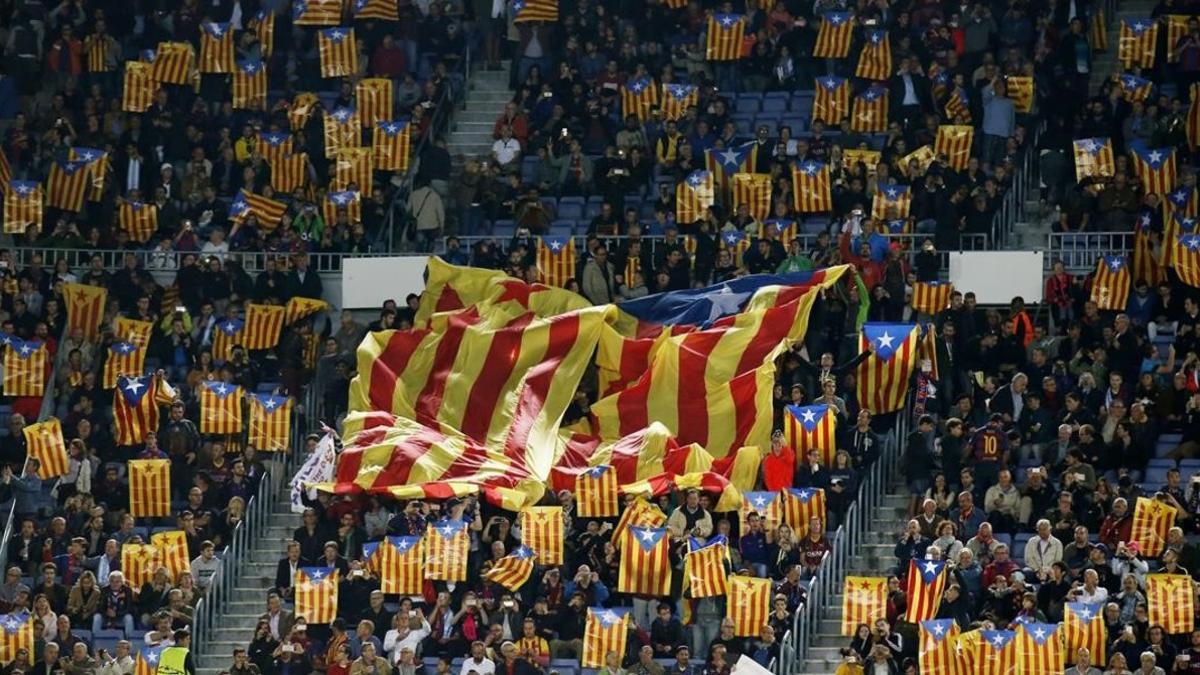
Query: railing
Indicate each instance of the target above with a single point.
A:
(171, 261)
(1079, 251)
(1024, 183)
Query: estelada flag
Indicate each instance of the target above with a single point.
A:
(996, 653)
(513, 570)
(724, 163)
(124, 358)
(1133, 88)
(832, 102)
(263, 325)
(869, 113)
(147, 658)
(812, 427)
(138, 219)
(301, 110)
(1093, 157)
(753, 190)
(275, 145)
(931, 297)
(834, 36)
(216, 47)
(290, 172)
(45, 443)
(798, 506)
(811, 191)
(1148, 263)
(694, 196)
(677, 98)
(380, 10)
(342, 130)
(135, 407)
(390, 144)
(542, 531)
(892, 200)
(596, 493)
(1083, 627)
(1192, 127)
(936, 651)
(1137, 43)
(16, 633)
(704, 567)
(149, 487)
(1171, 599)
(133, 330)
(954, 141)
(67, 184)
(916, 163)
(783, 229)
(604, 631)
(220, 408)
(23, 204)
(737, 243)
(373, 96)
(1155, 167)
(883, 376)
(1111, 282)
(398, 562)
(637, 512)
(316, 592)
(1176, 222)
(227, 335)
(1020, 90)
(98, 169)
(137, 94)
(875, 59)
(1039, 648)
(1186, 258)
(1177, 28)
(301, 308)
(138, 562)
(85, 308)
(270, 422)
(352, 170)
(864, 600)
(645, 562)
(869, 159)
(174, 63)
(725, 35)
(317, 12)
(923, 589)
(637, 96)
(263, 25)
(172, 549)
(339, 52)
(768, 506)
(958, 108)
(249, 83)
(337, 203)
(1152, 520)
(748, 605)
(534, 10)
(446, 549)
(556, 260)
(1098, 31)
(25, 365)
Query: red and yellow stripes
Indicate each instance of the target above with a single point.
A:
(645, 567)
(542, 531)
(604, 631)
(316, 591)
(399, 564)
(149, 487)
(172, 552)
(45, 443)
(748, 605)
(704, 572)
(1152, 520)
(270, 425)
(1171, 599)
(263, 326)
(447, 546)
(25, 367)
(220, 408)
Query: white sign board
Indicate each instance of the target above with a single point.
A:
(996, 277)
(368, 282)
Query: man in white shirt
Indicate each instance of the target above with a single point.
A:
(411, 630)
(478, 662)
(1042, 551)
(506, 150)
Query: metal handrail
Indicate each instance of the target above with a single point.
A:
(171, 261)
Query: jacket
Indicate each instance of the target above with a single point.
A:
(359, 667)
(427, 209)
(597, 283)
(1040, 561)
(999, 500)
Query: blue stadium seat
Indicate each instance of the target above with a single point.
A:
(109, 634)
(1004, 538)
(1160, 462)
(774, 105)
(85, 635)
(1155, 476)
(550, 203)
(748, 104)
(770, 120)
(1187, 467)
(562, 228)
(802, 102)
(570, 210)
(504, 228)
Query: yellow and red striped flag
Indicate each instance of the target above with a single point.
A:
(1155, 167)
(768, 506)
(812, 427)
(1152, 520)
(1192, 126)
(339, 52)
(725, 163)
(869, 159)
(892, 201)
(832, 102)
(1171, 601)
(67, 185)
(1039, 648)
(736, 242)
(753, 190)
(347, 201)
(137, 94)
(275, 146)
(23, 205)
(596, 493)
(398, 562)
(645, 562)
(1185, 256)
(149, 487)
(342, 130)
(317, 12)
(637, 96)
(220, 408)
(883, 376)
(352, 170)
(381, 10)
(725, 35)
(748, 605)
(1083, 628)
(5, 171)
(249, 84)
(124, 359)
(864, 600)
(373, 97)
(174, 63)
(834, 36)
(133, 330)
(542, 531)
(299, 307)
(639, 512)
(270, 423)
(316, 592)
(85, 308)
(694, 196)
(216, 47)
(535, 10)
(146, 658)
(783, 229)
(923, 589)
(25, 364)
(513, 570)
(1177, 28)
(139, 219)
(955, 141)
(869, 114)
(931, 297)
(172, 550)
(290, 172)
(1098, 31)
(1093, 157)
(446, 549)
(390, 144)
(556, 260)
(996, 653)
(226, 335)
(605, 631)
(957, 108)
(1111, 282)
(1148, 260)
(704, 567)
(1137, 42)
(98, 167)
(811, 191)
(263, 325)
(677, 98)
(135, 407)
(138, 562)
(1133, 88)
(936, 651)
(45, 443)
(798, 506)
(267, 211)
(263, 25)
(875, 59)
(301, 110)
(16, 633)
(916, 163)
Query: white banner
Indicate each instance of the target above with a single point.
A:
(318, 468)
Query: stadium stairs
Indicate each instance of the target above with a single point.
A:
(471, 134)
(1104, 64)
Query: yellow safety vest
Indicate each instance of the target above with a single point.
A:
(172, 660)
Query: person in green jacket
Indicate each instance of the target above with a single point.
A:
(795, 261)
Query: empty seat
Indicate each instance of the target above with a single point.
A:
(570, 210)
(562, 228)
(774, 105)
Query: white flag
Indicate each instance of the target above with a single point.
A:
(318, 468)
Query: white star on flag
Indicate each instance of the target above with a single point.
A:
(727, 21)
(930, 567)
(723, 302)
(1039, 634)
(730, 158)
(809, 417)
(269, 404)
(885, 340)
(647, 535)
(1155, 156)
(134, 385)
